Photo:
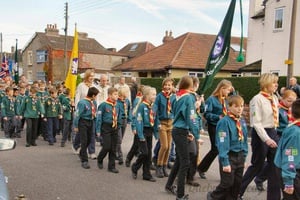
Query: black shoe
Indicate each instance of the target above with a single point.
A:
(133, 173)
(185, 197)
(151, 179)
(127, 163)
(100, 165)
(50, 143)
(171, 189)
(260, 187)
(164, 169)
(85, 165)
(114, 170)
(170, 165)
(192, 183)
(152, 167)
(159, 172)
(27, 145)
(62, 144)
(208, 196)
(121, 162)
(202, 175)
(33, 144)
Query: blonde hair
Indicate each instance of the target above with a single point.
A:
(123, 91)
(288, 93)
(266, 80)
(221, 85)
(87, 74)
(146, 91)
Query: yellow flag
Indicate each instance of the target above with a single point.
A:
(71, 78)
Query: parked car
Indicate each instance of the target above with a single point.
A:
(5, 144)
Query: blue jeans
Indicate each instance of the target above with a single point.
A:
(52, 128)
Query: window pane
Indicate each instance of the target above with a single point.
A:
(278, 18)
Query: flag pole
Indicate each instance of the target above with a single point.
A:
(241, 57)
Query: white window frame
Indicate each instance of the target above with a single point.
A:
(29, 58)
(276, 15)
(126, 74)
(236, 75)
(196, 74)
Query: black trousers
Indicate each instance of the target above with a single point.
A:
(144, 158)
(110, 139)
(260, 152)
(31, 130)
(182, 160)
(212, 154)
(296, 194)
(134, 148)
(85, 130)
(230, 183)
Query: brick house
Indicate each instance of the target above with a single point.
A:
(43, 56)
(184, 55)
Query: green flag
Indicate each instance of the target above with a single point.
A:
(16, 65)
(220, 51)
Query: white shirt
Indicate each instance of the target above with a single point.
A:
(102, 96)
(81, 92)
(261, 115)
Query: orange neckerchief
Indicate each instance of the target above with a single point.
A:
(124, 105)
(288, 110)
(93, 107)
(238, 125)
(275, 110)
(224, 108)
(114, 111)
(151, 114)
(167, 95)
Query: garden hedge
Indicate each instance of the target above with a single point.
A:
(247, 87)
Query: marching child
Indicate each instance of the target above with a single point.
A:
(9, 111)
(185, 128)
(146, 127)
(125, 110)
(135, 146)
(68, 109)
(53, 112)
(19, 100)
(31, 109)
(108, 114)
(42, 94)
(164, 101)
(84, 123)
(231, 141)
(287, 156)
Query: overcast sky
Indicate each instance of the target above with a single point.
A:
(115, 23)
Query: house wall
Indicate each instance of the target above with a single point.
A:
(255, 34)
(272, 46)
(276, 42)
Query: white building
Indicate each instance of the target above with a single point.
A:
(274, 36)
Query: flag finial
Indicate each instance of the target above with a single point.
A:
(241, 57)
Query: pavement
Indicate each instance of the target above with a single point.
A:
(48, 172)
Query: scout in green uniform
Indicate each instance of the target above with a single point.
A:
(8, 111)
(31, 109)
(53, 112)
(68, 109)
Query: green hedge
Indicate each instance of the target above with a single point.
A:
(247, 87)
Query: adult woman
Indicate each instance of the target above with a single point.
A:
(264, 121)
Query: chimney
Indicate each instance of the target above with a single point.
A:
(82, 35)
(52, 30)
(12, 49)
(112, 49)
(168, 37)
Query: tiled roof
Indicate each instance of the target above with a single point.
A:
(85, 45)
(136, 49)
(188, 51)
